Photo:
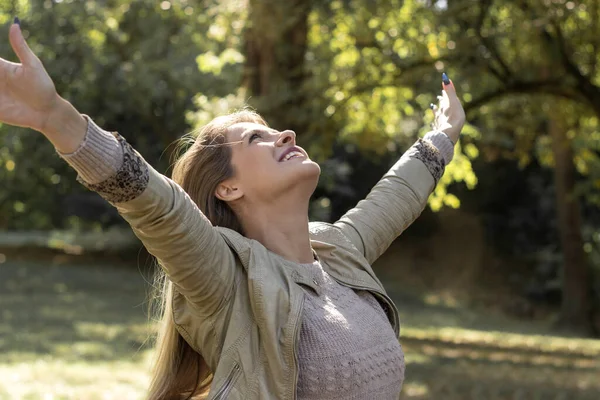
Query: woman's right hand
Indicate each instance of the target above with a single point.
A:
(27, 94)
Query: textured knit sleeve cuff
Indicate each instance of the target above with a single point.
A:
(99, 156)
(424, 151)
(443, 143)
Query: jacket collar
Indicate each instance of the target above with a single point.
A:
(243, 248)
(324, 251)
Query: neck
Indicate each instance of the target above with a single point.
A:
(281, 227)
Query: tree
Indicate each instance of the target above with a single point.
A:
(555, 60)
(275, 43)
(132, 66)
(511, 61)
(576, 303)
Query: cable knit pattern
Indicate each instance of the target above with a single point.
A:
(107, 164)
(426, 151)
(129, 181)
(347, 348)
(443, 143)
(99, 155)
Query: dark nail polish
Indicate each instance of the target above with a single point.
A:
(17, 21)
(445, 79)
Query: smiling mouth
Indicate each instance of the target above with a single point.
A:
(292, 154)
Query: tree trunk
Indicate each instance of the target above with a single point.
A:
(576, 294)
(275, 46)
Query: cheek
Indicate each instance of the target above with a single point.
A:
(256, 166)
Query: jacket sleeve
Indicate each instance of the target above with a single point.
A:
(193, 254)
(398, 198)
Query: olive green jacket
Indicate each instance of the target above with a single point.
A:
(237, 303)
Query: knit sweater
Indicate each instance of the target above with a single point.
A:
(347, 347)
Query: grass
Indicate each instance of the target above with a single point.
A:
(78, 331)
(72, 332)
(466, 364)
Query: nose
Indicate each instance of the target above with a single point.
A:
(287, 137)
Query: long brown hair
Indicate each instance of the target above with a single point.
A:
(179, 372)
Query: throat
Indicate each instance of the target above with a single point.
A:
(285, 234)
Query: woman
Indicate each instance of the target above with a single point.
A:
(259, 303)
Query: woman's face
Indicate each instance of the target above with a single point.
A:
(268, 164)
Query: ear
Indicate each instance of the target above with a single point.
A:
(228, 190)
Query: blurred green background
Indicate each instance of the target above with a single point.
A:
(498, 282)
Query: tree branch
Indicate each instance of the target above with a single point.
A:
(568, 64)
(551, 87)
(587, 89)
(594, 56)
(504, 74)
(395, 59)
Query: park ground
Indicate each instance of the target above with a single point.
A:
(79, 330)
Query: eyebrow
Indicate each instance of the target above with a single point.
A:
(251, 131)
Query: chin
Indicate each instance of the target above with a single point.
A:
(302, 179)
(310, 169)
(308, 178)
(313, 166)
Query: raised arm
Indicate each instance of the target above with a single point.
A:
(401, 195)
(193, 254)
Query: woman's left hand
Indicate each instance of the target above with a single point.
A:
(449, 114)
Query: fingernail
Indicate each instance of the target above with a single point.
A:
(445, 79)
(17, 21)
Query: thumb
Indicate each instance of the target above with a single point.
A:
(19, 45)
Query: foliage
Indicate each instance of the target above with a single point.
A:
(374, 66)
(133, 66)
(156, 70)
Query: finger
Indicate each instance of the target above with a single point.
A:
(445, 96)
(449, 88)
(443, 101)
(19, 45)
(451, 93)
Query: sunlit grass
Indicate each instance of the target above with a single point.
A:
(81, 333)
(52, 378)
(73, 332)
(506, 340)
(414, 390)
(458, 363)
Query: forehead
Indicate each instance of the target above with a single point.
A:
(235, 131)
